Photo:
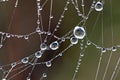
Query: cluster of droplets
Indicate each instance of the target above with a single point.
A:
(79, 33)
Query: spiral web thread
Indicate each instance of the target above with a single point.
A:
(32, 60)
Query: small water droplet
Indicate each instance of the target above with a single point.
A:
(3, 78)
(88, 42)
(65, 8)
(74, 40)
(13, 64)
(99, 6)
(26, 37)
(103, 50)
(54, 45)
(25, 60)
(38, 29)
(1, 45)
(51, 17)
(8, 35)
(38, 54)
(60, 54)
(44, 75)
(114, 48)
(81, 55)
(48, 64)
(28, 78)
(43, 46)
(79, 32)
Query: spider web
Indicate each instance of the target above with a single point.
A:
(52, 45)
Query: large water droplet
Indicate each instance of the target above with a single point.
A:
(74, 40)
(25, 60)
(54, 45)
(43, 46)
(38, 54)
(79, 32)
(99, 6)
(48, 64)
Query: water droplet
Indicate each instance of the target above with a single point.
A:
(44, 75)
(88, 42)
(65, 8)
(54, 45)
(8, 35)
(25, 60)
(68, 2)
(60, 54)
(74, 40)
(99, 6)
(51, 17)
(13, 64)
(76, 71)
(38, 29)
(79, 32)
(38, 54)
(1, 45)
(28, 78)
(26, 37)
(1, 67)
(3, 78)
(63, 39)
(43, 46)
(103, 50)
(48, 64)
(81, 55)
(114, 48)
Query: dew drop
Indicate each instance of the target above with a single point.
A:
(43, 46)
(44, 75)
(8, 35)
(74, 40)
(13, 64)
(3, 78)
(28, 78)
(99, 6)
(63, 39)
(81, 55)
(1, 68)
(48, 64)
(25, 60)
(26, 37)
(103, 50)
(79, 32)
(37, 29)
(114, 48)
(1, 45)
(38, 54)
(65, 8)
(60, 54)
(88, 42)
(54, 45)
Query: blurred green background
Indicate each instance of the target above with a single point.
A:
(24, 21)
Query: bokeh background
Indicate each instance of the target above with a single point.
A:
(24, 21)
